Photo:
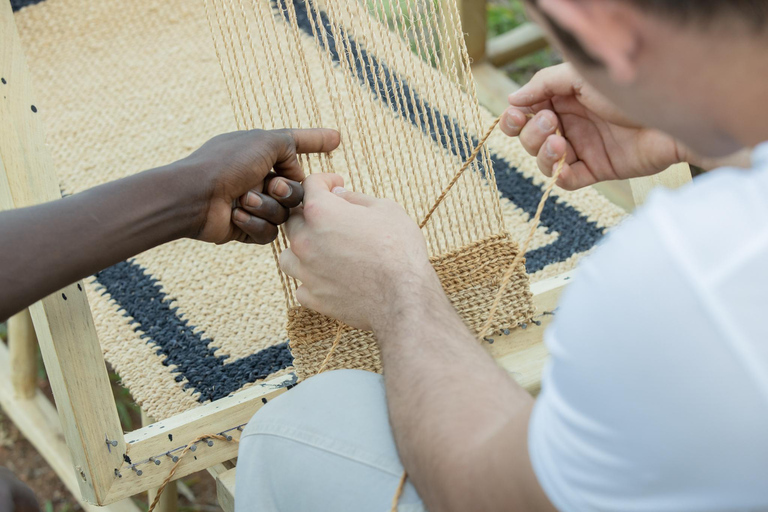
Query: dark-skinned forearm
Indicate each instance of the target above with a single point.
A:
(433, 365)
(49, 246)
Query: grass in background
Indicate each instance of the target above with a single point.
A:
(505, 15)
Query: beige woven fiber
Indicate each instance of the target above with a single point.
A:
(470, 278)
(369, 72)
(127, 85)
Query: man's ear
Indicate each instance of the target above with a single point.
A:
(608, 30)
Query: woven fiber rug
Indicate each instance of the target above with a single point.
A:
(129, 85)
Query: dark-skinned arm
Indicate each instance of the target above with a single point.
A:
(226, 190)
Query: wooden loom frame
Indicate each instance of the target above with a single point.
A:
(85, 445)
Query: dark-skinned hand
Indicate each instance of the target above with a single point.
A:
(250, 181)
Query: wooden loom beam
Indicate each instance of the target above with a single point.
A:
(517, 43)
(62, 320)
(173, 434)
(38, 420)
(22, 344)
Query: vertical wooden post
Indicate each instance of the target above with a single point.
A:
(169, 501)
(22, 344)
(63, 321)
(474, 23)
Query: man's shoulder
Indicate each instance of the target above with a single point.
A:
(708, 221)
(657, 334)
(650, 272)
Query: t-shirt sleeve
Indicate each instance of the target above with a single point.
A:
(633, 410)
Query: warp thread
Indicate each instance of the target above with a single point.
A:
(423, 223)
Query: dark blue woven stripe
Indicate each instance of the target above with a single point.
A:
(18, 4)
(139, 296)
(575, 232)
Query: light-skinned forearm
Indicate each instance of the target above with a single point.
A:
(54, 244)
(460, 422)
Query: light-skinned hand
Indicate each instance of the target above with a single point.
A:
(601, 144)
(358, 258)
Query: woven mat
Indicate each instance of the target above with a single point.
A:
(129, 85)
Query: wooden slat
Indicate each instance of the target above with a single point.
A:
(674, 177)
(225, 490)
(474, 23)
(37, 419)
(225, 485)
(493, 86)
(22, 344)
(176, 432)
(63, 320)
(619, 192)
(518, 42)
(169, 500)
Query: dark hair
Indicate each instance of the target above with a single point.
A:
(754, 12)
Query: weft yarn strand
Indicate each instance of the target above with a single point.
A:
(334, 345)
(459, 173)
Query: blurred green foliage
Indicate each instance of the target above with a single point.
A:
(127, 410)
(505, 15)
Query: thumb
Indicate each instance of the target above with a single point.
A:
(318, 184)
(560, 80)
(354, 197)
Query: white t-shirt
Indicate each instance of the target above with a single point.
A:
(656, 395)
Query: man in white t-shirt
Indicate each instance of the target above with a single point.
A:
(656, 395)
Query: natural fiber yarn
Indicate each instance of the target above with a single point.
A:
(186, 450)
(452, 270)
(128, 87)
(470, 277)
(466, 233)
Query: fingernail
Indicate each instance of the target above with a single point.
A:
(240, 216)
(545, 124)
(338, 190)
(551, 150)
(253, 200)
(517, 95)
(281, 188)
(509, 119)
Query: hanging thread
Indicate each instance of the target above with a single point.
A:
(178, 461)
(334, 345)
